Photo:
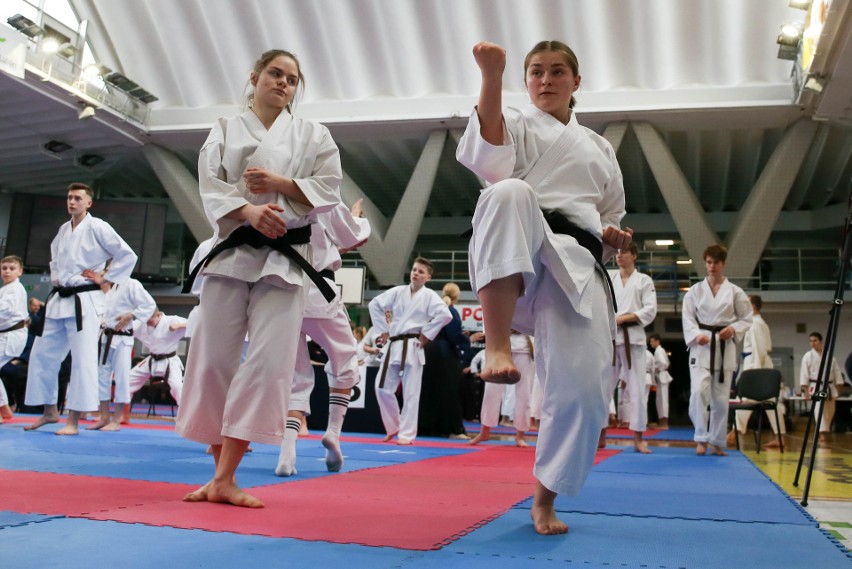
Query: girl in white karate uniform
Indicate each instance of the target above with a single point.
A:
(538, 281)
(262, 175)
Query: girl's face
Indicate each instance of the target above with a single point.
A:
(551, 83)
(276, 85)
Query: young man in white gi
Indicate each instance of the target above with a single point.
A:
(808, 377)
(716, 315)
(636, 299)
(13, 320)
(125, 303)
(662, 379)
(756, 348)
(79, 251)
(327, 323)
(417, 315)
(161, 334)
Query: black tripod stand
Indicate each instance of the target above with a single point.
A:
(822, 389)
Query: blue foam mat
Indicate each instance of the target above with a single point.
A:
(8, 518)
(147, 546)
(675, 483)
(625, 541)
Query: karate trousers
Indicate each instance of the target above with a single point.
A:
(573, 354)
(493, 396)
(634, 378)
(116, 368)
(222, 397)
(60, 335)
(706, 390)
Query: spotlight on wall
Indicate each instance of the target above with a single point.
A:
(130, 87)
(815, 84)
(89, 161)
(50, 45)
(664, 242)
(87, 113)
(25, 26)
(56, 146)
(789, 41)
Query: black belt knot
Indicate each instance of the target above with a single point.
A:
(391, 340)
(713, 331)
(626, 335)
(558, 223)
(159, 357)
(65, 292)
(14, 327)
(247, 235)
(109, 333)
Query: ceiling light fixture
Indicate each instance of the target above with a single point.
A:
(25, 26)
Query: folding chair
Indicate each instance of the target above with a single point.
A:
(762, 388)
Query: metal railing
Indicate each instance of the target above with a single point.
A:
(779, 269)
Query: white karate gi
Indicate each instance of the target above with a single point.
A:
(258, 291)
(327, 323)
(160, 340)
(808, 375)
(421, 313)
(13, 309)
(493, 395)
(546, 165)
(756, 347)
(636, 296)
(131, 297)
(730, 307)
(89, 246)
(662, 379)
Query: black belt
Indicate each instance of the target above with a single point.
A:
(560, 224)
(713, 331)
(627, 341)
(65, 292)
(327, 274)
(391, 340)
(14, 327)
(157, 358)
(246, 235)
(109, 333)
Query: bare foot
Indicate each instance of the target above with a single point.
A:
(545, 521)
(404, 442)
(663, 424)
(199, 495)
(700, 449)
(602, 439)
(500, 368)
(68, 430)
(223, 493)
(520, 441)
(100, 424)
(480, 438)
(42, 421)
(389, 438)
(716, 450)
(731, 439)
(641, 447)
(112, 426)
(613, 420)
(6, 412)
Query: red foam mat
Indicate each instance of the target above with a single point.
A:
(73, 495)
(420, 506)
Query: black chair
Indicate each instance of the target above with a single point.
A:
(762, 388)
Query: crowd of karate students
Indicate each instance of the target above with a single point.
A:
(545, 224)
